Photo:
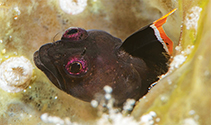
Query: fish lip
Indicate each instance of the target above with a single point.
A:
(40, 65)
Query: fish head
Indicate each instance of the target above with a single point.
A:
(83, 62)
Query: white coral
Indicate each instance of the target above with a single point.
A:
(15, 74)
(73, 6)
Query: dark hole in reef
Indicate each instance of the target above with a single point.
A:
(30, 98)
(38, 105)
(72, 31)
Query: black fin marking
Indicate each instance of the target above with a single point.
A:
(144, 44)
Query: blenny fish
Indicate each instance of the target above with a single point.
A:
(84, 61)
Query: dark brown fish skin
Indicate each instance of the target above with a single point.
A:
(107, 64)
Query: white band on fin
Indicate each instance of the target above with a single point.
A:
(157, 34)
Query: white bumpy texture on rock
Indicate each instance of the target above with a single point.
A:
(15, 74)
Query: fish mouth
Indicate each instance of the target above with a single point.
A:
(42, 61)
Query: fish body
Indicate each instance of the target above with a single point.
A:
(84, 61)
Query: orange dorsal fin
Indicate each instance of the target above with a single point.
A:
(160, 33)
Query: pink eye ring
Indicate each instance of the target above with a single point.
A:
(76, 66)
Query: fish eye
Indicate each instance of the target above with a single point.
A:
(72, 31)
(75, 67)
(75, 34)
